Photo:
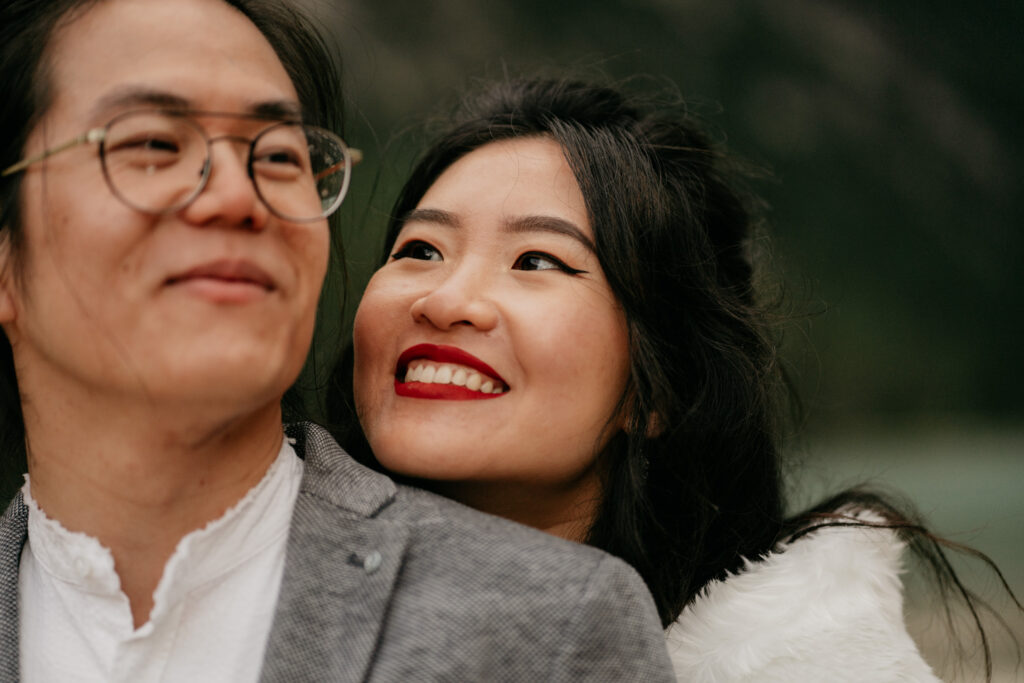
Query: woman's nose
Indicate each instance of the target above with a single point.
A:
(462, 299)
(229, 197)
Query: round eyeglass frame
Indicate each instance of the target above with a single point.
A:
(99, 136)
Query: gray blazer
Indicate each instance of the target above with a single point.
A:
(385, 582)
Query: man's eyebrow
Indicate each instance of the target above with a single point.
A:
(552, 224)
(277, 109)
(132, 96)
(138, 96)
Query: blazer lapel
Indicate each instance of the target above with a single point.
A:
(340, 571)
(339, 575)
(13, 532)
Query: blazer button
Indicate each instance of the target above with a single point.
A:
(372, 561)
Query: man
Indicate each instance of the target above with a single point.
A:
(164, 203)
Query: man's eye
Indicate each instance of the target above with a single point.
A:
(536, 260)
(418, 250)
(149, 142)
(279, 156)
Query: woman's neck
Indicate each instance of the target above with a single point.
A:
(564, 511)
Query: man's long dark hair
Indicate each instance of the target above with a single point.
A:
(692, 485)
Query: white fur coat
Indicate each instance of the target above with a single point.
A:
(826, 607)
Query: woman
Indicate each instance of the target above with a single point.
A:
(567, 332)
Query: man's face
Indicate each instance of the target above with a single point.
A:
(213, 304)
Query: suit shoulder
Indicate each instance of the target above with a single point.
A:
(443, 519)
(479, 583)
(447, 529)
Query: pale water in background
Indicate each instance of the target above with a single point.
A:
(967, 481)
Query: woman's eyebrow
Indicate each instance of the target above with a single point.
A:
(436, 216)
(519, 224)
(552, 224)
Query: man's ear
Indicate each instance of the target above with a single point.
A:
(7, 279)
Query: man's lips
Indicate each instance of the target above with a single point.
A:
(224, 282)
(229, 271)
(466, 377)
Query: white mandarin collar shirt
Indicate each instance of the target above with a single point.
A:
(212, 609)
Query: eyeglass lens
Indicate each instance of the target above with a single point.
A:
(158, 162)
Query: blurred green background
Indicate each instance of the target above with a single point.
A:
(892, 133)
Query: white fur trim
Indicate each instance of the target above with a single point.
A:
(827, 607)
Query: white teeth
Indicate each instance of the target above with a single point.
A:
(446, 373)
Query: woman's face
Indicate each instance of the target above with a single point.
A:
(489, 349)
(213, 303)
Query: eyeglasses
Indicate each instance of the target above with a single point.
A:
(158, 162)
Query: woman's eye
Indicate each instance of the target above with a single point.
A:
(420, 251)
(535, 260)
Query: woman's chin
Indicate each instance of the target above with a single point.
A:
(434, 463)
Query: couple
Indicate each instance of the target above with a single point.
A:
(565, 333)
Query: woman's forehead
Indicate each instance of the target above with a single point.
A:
(516, 177)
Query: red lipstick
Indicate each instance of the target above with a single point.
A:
(448, 392)
(442, 354)
(446, 354)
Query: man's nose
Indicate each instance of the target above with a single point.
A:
(229, 197)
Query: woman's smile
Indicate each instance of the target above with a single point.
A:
(445, 372)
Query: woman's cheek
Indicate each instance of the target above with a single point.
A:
(377, 325)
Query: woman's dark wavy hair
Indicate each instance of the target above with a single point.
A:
(26, 30)
(692, 485)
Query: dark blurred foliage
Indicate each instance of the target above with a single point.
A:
(891, 131)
